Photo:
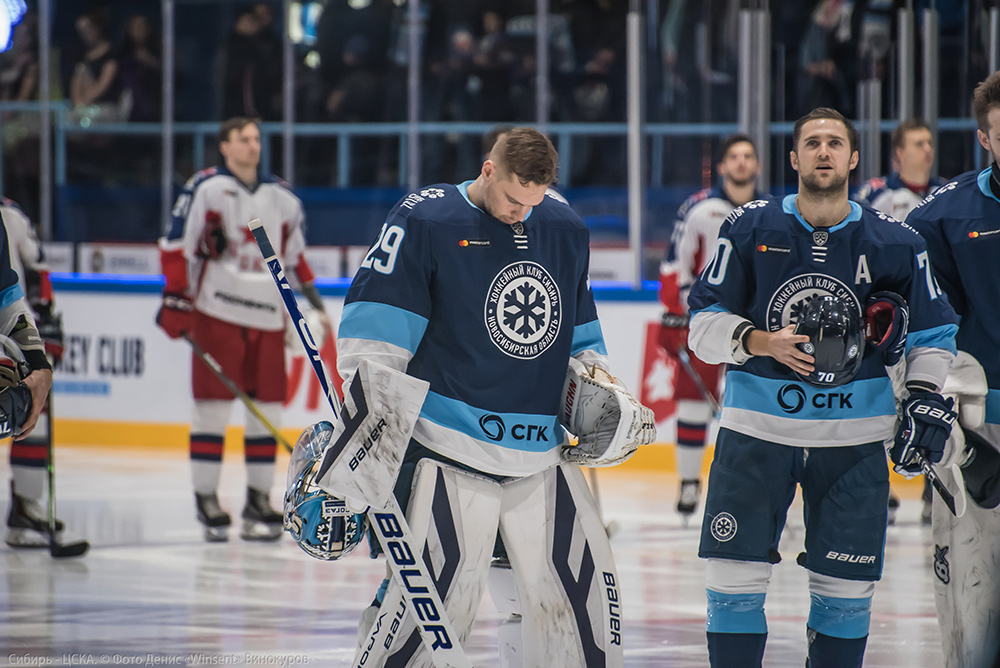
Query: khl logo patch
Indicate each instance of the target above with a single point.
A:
(523, 310)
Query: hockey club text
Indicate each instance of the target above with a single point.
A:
(113, 355)
(411, 578)
(792, 399)
(495, 429)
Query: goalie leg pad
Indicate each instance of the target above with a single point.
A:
(566, 580)
(966, 555)
(453, 515)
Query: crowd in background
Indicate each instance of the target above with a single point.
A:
(478, 64)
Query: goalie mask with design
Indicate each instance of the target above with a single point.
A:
(318, 521)
(836, 340)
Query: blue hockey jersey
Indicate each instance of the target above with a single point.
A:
(961, 223)
(769, 263)
(488, 313)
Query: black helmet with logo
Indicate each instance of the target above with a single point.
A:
(836, 340)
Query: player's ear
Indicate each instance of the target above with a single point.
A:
(794, 159)
(984, 141)
(855, 157)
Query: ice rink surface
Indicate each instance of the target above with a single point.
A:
(152, 592)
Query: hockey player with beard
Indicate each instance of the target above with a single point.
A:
(782, 302)
(27, 525)
(481, 290)
(961, 223)
(219, 293)
(691, 245)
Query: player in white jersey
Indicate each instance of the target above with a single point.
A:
(27, 525)
(692, 243)
(961, 222)
(219, 293)
(896, 195)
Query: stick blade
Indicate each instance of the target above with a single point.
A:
(74, 549)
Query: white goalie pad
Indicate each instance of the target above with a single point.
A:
(371, 435)
(568, 592)
(609, 423)
(454, 516)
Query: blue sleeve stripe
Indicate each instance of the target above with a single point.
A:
(714, 308)
(11, 295)
(588, 336)
(382, 322)
(515, 431)
(935, 337)
(993, 407)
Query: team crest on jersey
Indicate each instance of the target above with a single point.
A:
(789, 301)
(723, 527)
(820, 238)
(523, 310)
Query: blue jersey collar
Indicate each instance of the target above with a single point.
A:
(464, 189)
(983, 181)
(789, 207)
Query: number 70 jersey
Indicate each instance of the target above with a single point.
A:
(768, 264)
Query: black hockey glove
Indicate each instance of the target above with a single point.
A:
(51, 330)
(924, 426)
(213, 240)
(886, 319)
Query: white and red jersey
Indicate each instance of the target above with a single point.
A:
(26, 254)
(692, 244)
(236, 286)
(893, 196)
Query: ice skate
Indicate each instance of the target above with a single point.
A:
(893, 507)
(687, 502)
(27, 525)
(260, 521)
(213, 517)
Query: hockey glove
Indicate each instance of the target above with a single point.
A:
(924, 426)
(174, 316)
(674, 332)
(886, 319)
(15, 407)
(609, 423)
(213, 240)
(51, 330)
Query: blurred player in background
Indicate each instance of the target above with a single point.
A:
(813, 409)
(691, 246)
(481, 289)
(219, 293)
(897, 194)
(961, 223)
(27, 524)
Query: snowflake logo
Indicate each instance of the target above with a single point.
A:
(523, 311)
(724, 527)
(432, 193)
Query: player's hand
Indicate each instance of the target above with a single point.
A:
(175, 315)
(783, 346)
(213, 239)
(39, 383)
(673, 332)
(924, 425)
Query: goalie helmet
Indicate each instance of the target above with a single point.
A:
(319, 522)
(13, 368)
(836, 340)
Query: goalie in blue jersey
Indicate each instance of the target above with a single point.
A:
(961, 223)
(809, 299)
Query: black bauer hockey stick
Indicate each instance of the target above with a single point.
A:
(389, 523)
(56, 549)
(216, 368)
(931, 473)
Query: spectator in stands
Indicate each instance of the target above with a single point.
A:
(828, 58)
(19, 76)
(95, 81)
(142, 68)
(251, 77)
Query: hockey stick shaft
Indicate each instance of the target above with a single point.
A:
(56, 549)
(685, 358)
(931, 473)
(393, 532)
(231, 385)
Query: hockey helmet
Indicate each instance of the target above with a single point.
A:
(836, 340)
(318, 521)
(13, 367)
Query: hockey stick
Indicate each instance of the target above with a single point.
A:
(57, 549)
(931, 473)
(216, 368)
(685, 358)
(391, 528)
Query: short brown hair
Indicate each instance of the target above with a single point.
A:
(528, 154)
(236, 123)
(910, 124)
(985, 98)
(821, 113)
(733, 140)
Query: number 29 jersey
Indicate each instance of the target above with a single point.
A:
(488, 313)
(769, 263)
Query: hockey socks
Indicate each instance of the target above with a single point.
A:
(829, 652)
(838, 631)
(736, 650)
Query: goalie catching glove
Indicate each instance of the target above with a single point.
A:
(609, 423)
